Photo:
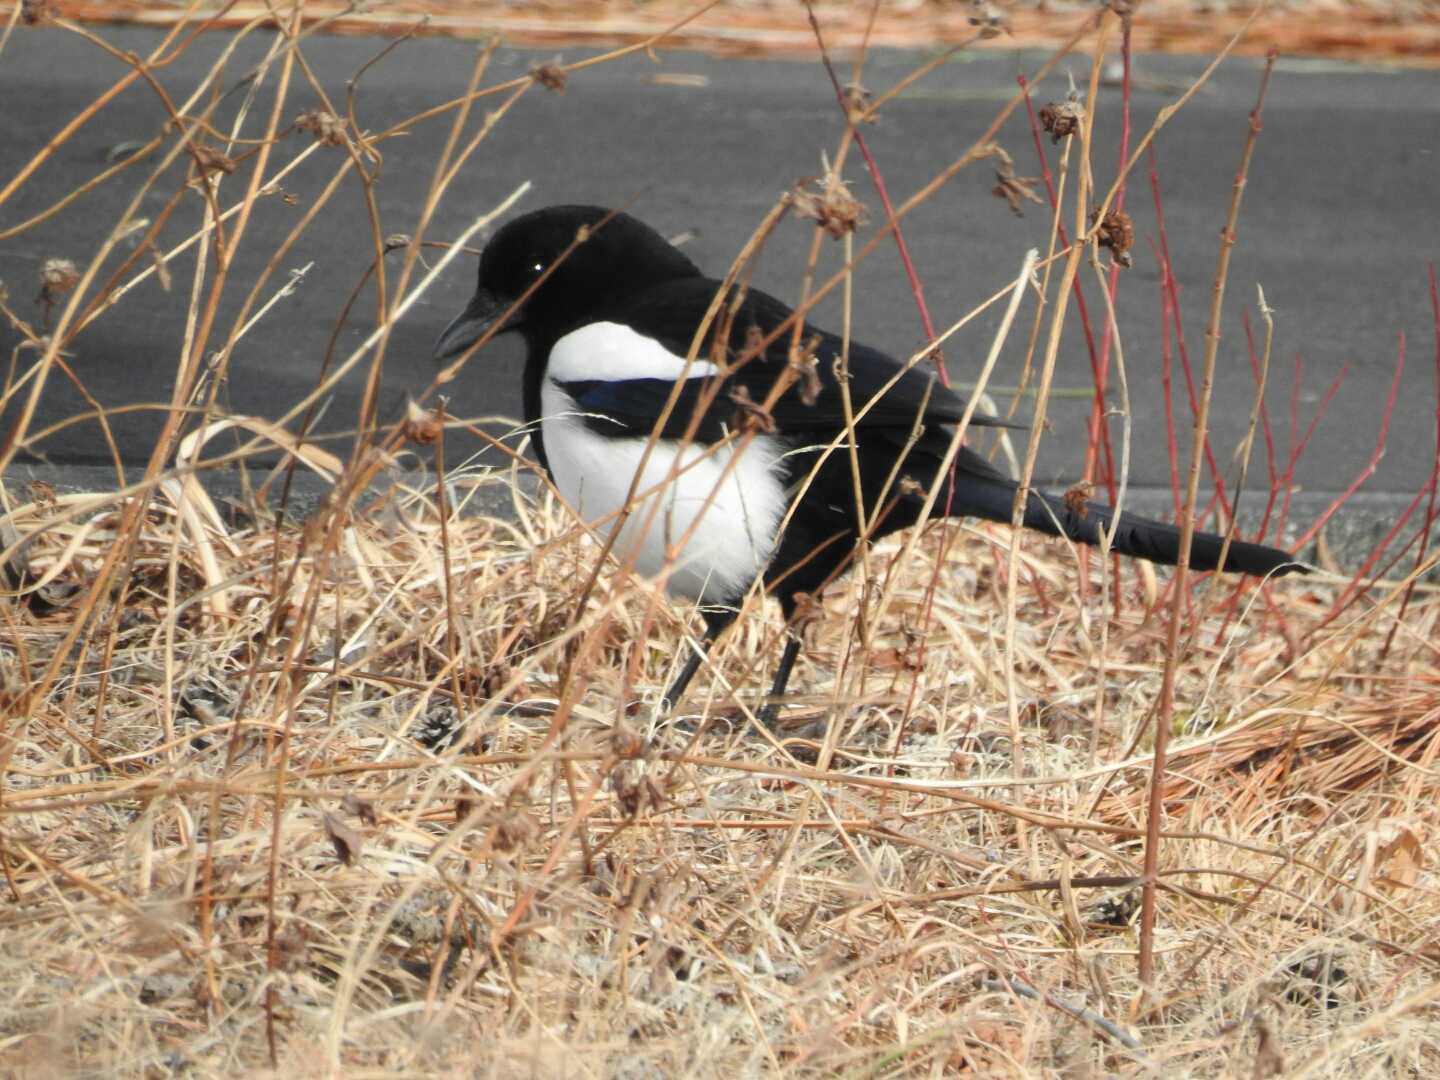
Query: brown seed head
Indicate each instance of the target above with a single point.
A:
(551, 76)
(325, 126)
(831, 204)
(1077, 499)
(807, 366)
(422, 426)
(750, 415)
(210, 161)
(1013, 189)
(1061, 119)
(1116, 232)
(857, 100)
(57, 277)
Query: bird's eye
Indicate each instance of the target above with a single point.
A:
(538, 268)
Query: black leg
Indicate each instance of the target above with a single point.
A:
(677, 688)
(771, 710)
(715, 623)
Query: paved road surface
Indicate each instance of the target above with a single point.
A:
(1339, 221)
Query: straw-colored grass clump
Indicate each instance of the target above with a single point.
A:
(235, 822)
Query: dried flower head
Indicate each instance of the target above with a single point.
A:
(1077, 499)
(828, 201)
(1116, 232)
(806, 365)
(1013, 189)
(325, 126)
(1061, 118)
(552, 76)
(857, 101)
(422, 426)
(210, 161)
(57, 277)
(750, 415)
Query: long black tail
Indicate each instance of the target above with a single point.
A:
(982, 491)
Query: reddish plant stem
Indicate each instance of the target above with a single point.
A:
(1165, 712)
(926, 323)
(1167, 359)
(1369, 468)
(1434, 485)
(1081, 308)
(1296, 374)
(1354, 589)
(1297, 451)
(1099, 429)
(1169, 283)
(883, 193)
(1241, 583)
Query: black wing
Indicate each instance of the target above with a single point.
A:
(670, 314)
(630, 407)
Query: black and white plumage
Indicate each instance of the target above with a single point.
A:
(608, 323)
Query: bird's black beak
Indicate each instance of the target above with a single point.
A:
(480, 315)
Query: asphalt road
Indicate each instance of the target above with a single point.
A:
(1339, 221)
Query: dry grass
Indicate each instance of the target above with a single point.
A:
(385, 792)
(622, 899)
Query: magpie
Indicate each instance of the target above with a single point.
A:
(710, 447)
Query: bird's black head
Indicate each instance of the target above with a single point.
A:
(618, 257)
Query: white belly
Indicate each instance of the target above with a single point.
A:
(714, 525)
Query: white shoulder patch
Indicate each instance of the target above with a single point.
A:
(613, 352)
